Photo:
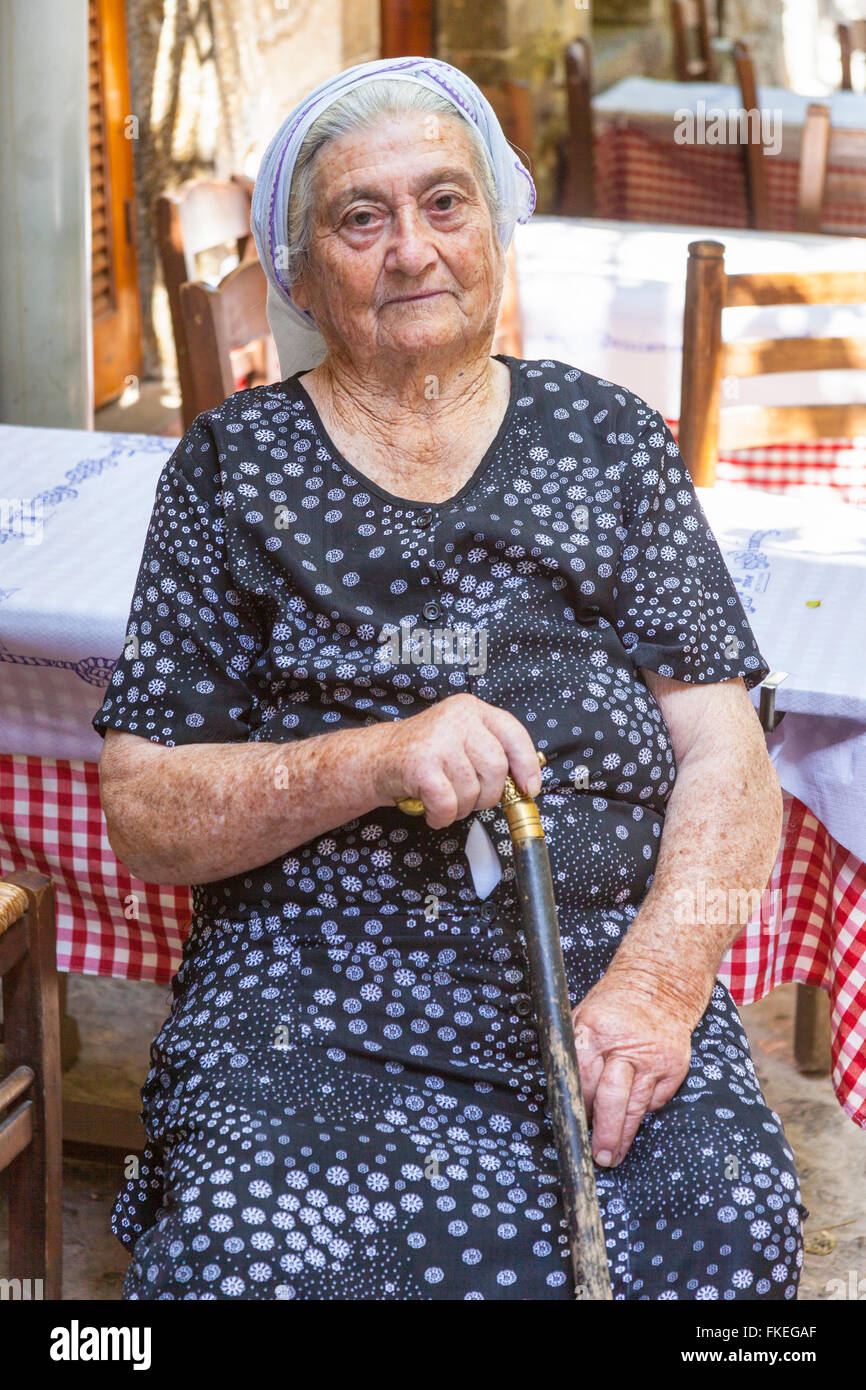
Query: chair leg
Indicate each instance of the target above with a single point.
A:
(32, 1037)
(812, 1030)
(70, 1038)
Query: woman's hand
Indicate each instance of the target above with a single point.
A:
(455, 757)
(634, 1048)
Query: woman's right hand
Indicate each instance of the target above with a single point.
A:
(455, 757)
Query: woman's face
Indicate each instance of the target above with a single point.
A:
(405, 258)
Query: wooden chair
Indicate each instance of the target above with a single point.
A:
(813, 155)
(694, 26)
(704, 429)
(198, 216)
(812, 1030)
(512, 102)
(815, 143)
(852, 39)
(576, 175)
(30, 1136)
(217, 322)
(245, 183)
(757, 192)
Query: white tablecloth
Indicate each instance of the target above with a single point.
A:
(64, 603)
(64, 599)
(784, 554)
(654, 99)
(609, 297)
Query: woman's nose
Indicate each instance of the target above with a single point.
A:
(412, 247)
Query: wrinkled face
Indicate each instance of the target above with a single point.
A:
(405, 257)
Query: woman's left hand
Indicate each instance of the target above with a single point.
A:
(634, 1047)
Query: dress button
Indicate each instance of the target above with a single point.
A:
(431, 610)
(588, 616)
(523, 1005)
(423, 519)
(487, 912)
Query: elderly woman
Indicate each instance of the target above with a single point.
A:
(400, 572)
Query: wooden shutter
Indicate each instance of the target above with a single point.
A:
(114, 264)
(407, 27)
(103, 282)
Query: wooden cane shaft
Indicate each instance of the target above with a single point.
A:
(556, 1039)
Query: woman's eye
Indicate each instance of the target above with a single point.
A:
(446, 197)
(355, 215)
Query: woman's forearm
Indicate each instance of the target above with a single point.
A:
(718, 847)
(206, 811)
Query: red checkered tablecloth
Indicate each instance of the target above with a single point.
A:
(817, 937)
(642, 175)
(838, 464)
(110, 923)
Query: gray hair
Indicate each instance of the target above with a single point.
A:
(362, 107)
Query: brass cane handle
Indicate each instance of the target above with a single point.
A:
(513, 803)
(521, 812)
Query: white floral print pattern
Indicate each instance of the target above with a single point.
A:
(346, 1101)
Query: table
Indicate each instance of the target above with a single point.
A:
(642, 172)
(628, 280)
(785, 556)
(63, 609)
(64, 602)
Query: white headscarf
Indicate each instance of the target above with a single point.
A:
(300, 345)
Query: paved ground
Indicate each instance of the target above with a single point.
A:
(152, 408)
(118, 1019)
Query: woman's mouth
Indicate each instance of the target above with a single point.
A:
(411, 298)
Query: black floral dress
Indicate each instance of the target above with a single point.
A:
(346, 1100)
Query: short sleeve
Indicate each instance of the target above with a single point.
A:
(191, 636)
(677, 609)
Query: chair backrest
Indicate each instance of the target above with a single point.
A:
(512, 102)
(200, 215)
(218, 321)
(757, 192)
(704, 428)
(852, 39)
(843, 184)
(577, 170)
(815, 142)
(245, 183)
(31, 1135)
(694, 26)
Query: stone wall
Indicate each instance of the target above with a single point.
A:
(635, 36)
(497, 40)
(212, 79)
(760, 24)
(210, 82)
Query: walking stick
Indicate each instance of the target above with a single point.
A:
(556, 1038)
